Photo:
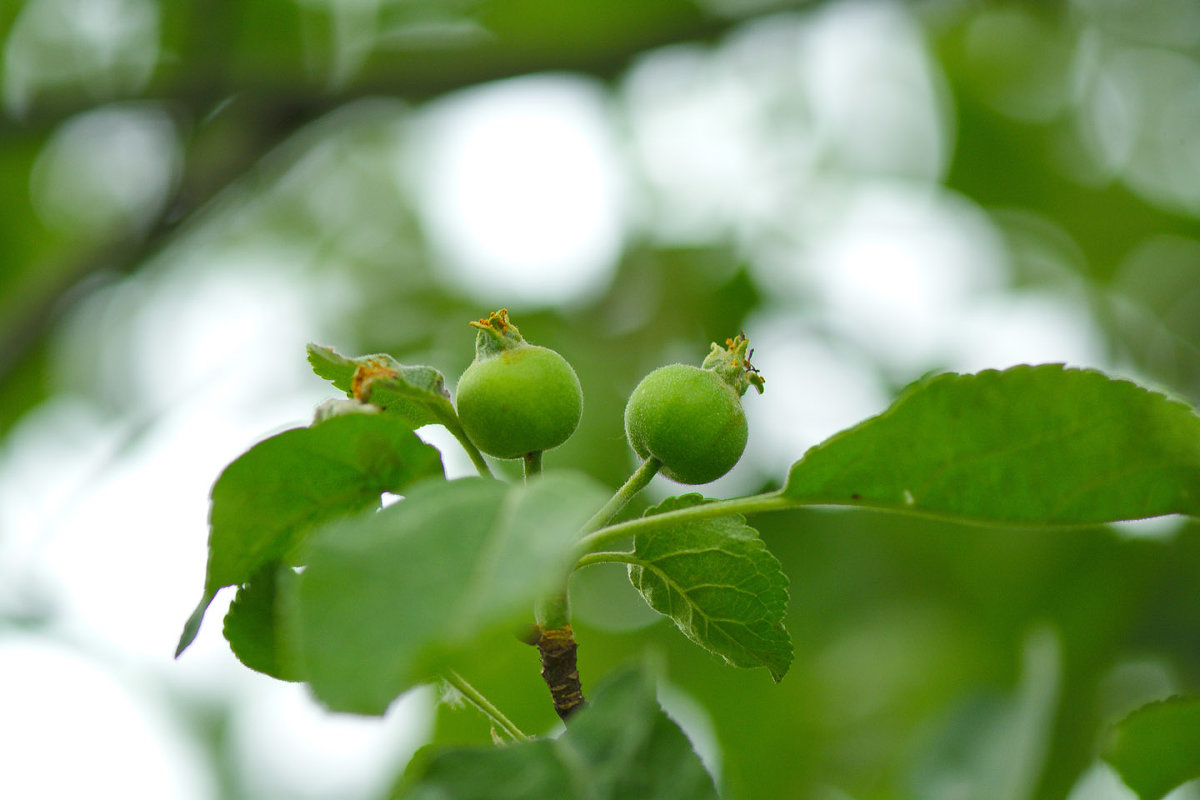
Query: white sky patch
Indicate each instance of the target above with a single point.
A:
(1028, 327)
(876, 92)
(286, 745)
(108, 515)
(127, 556)
(455, 460)
(814, 389)
(211, 361)
(1101, 782)
(106, 168)
(46, 461)
(899, 263)
(227, 324)
(698, 141)
(71, 729)
(1138, 112)
(521, 189)
(113, 47)
(103, 517)
(232, 322)
(747, 138)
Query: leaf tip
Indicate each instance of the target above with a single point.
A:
(192, 627)
(779, 666)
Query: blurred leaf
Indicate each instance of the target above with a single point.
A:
(531, 769)
(267, 500)
(994, 746)
(253, 624)
(385, 594)
(1030, 445)
(416, 393)
(717, 581)
(1157, 747)
(620, 746)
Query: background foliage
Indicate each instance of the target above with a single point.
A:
(872, 190)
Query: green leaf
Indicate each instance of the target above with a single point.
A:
(254, 627)
(386, 594)
(517, 772)
(716, 579)
(334, 368)
(1030, 445)
(415, 393)
(993, 745)
(266, 501)
(620, 746)
(1157, 747)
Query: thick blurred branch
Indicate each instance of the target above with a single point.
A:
(267, 113)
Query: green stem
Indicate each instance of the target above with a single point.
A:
(533, 464)
(637, 481)
(608, 557)
(604, 537)
(451, 424)
(553, 612)
(481, 466)
(485, 706)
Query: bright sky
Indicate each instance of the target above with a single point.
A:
(521, 189)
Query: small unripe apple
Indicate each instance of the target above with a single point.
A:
(516, 398)
(691, 418)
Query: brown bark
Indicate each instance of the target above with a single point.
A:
(557, 649)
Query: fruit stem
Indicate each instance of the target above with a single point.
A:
(484, 706)
(637, 481)
(533, 464)
(612, 534)
(481, 465)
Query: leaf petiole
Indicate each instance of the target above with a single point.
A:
(481, 466)
(450, 423)
(485, 706)
(610, 535)
(637, 481)
(608, 557)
